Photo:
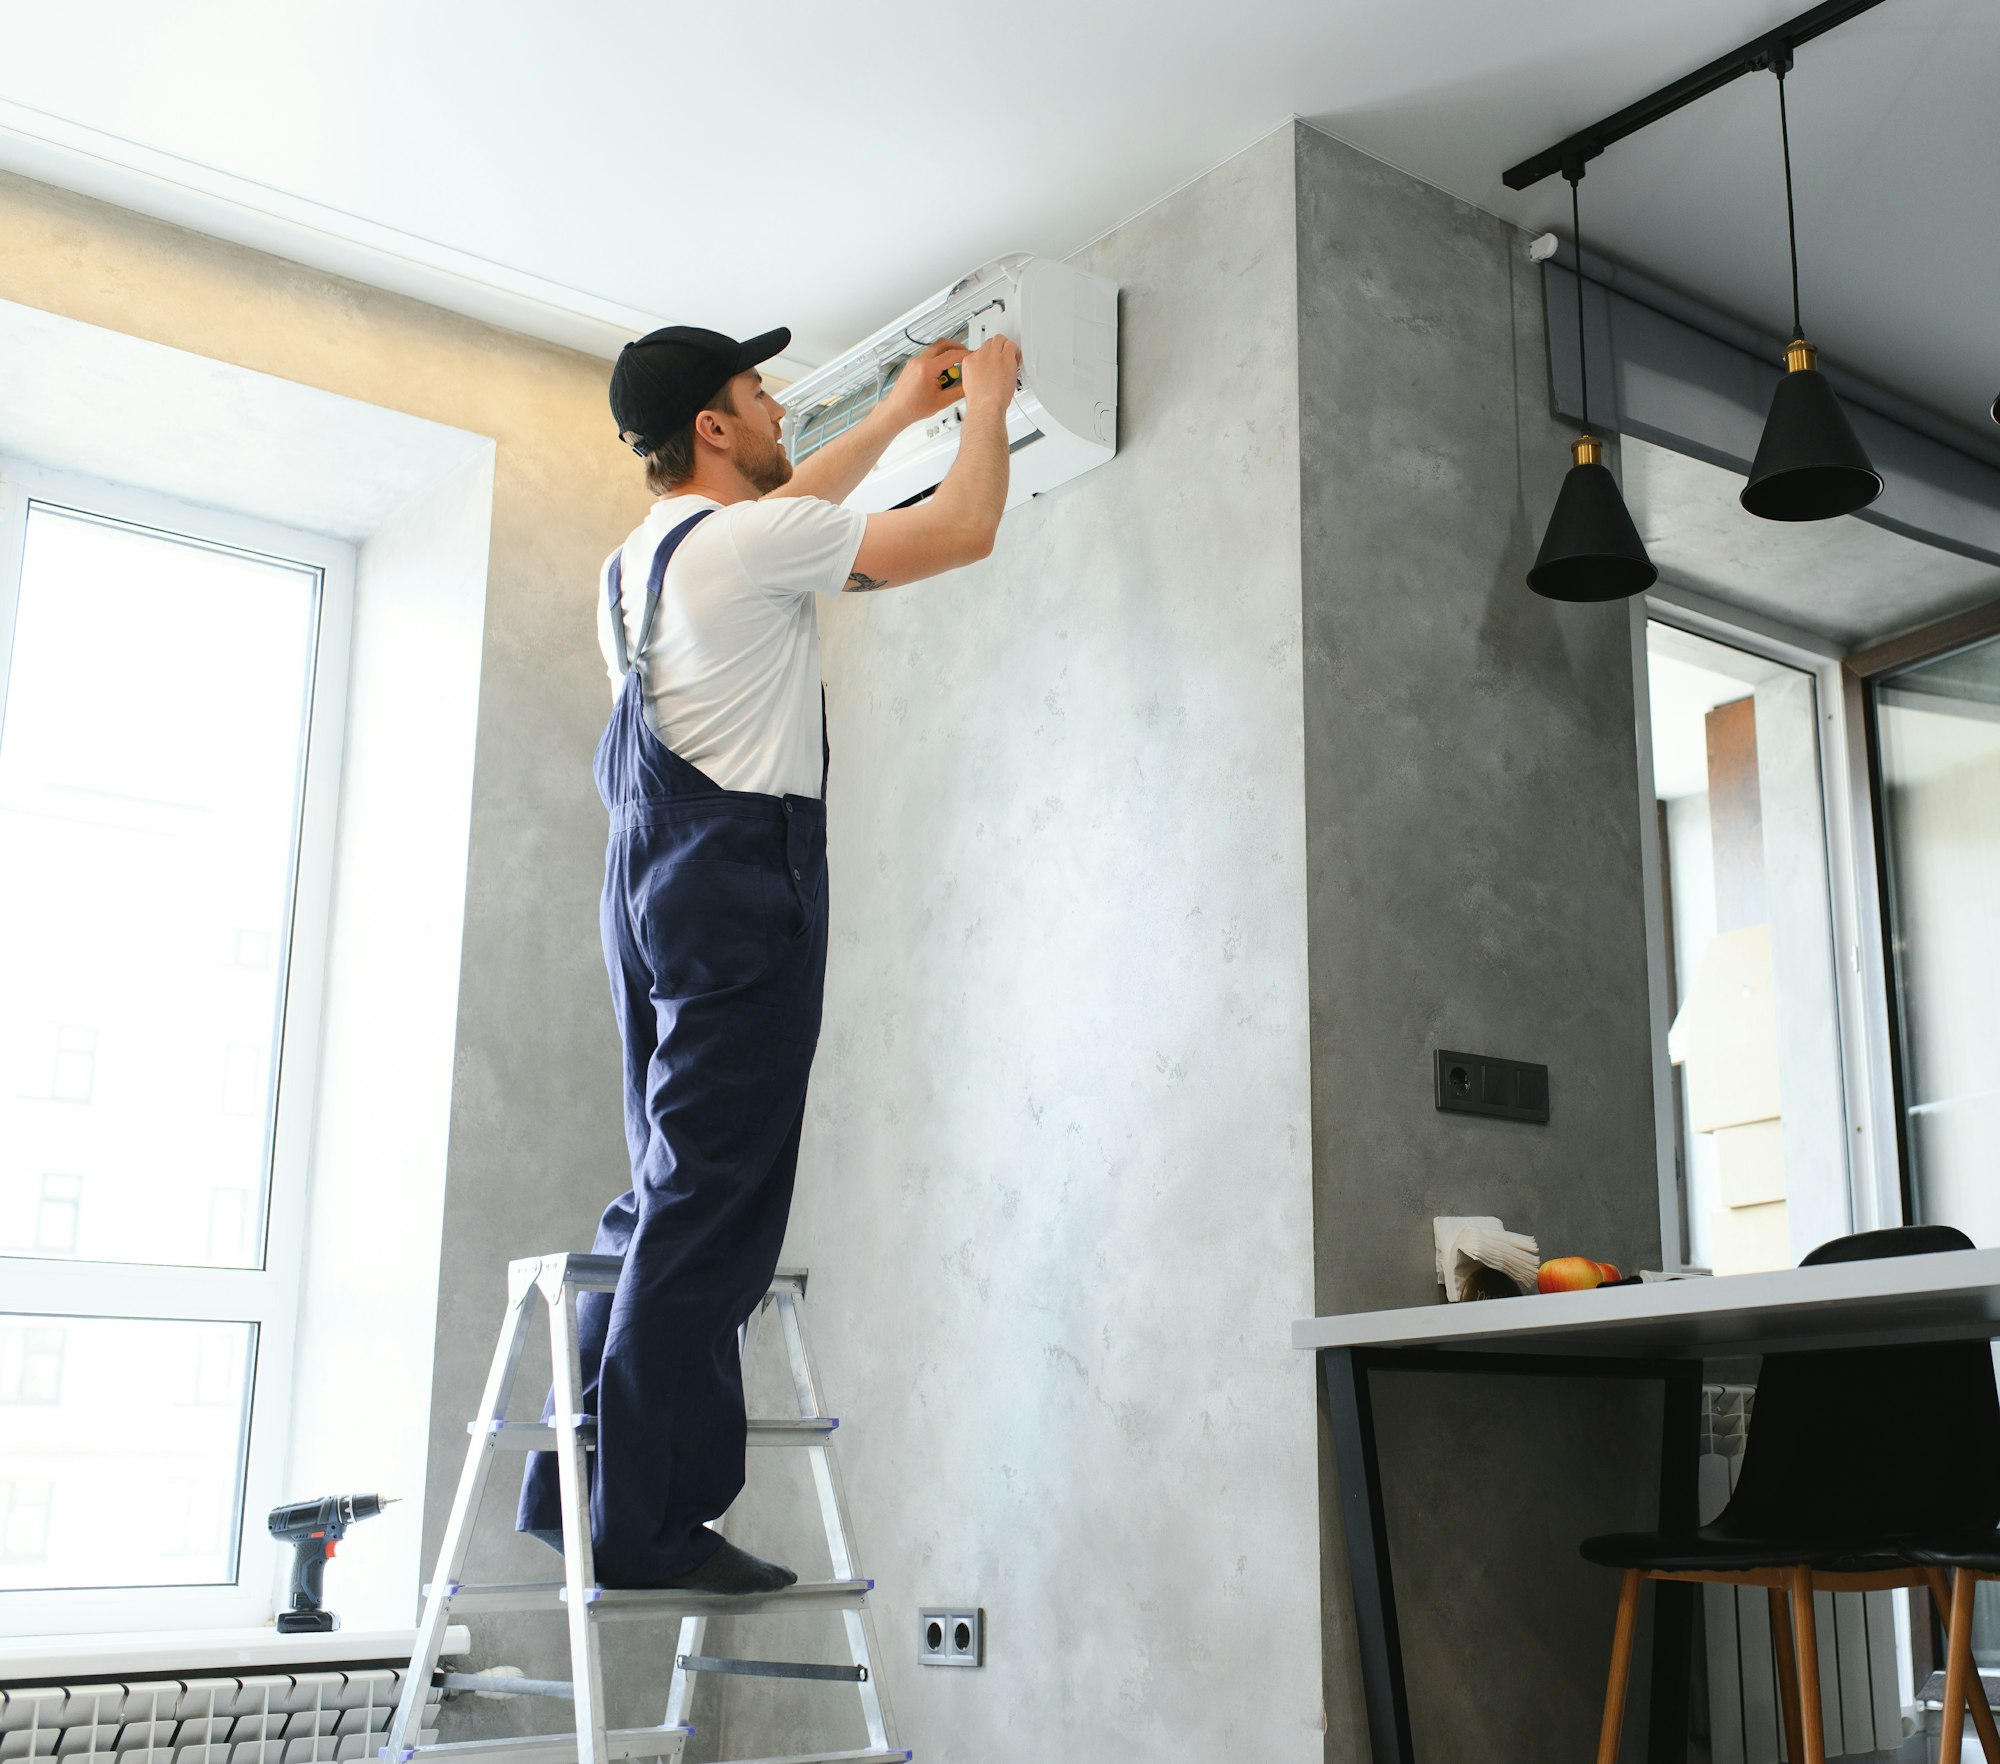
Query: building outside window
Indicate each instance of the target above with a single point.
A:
(170, 686)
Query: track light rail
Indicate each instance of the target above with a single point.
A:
(1753, 57)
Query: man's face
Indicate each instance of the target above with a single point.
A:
(758, 450)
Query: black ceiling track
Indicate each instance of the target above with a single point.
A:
(1753, 57)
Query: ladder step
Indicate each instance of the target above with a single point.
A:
(884, 1755)
(609, 1602)
(812, 1595)
(557, 1748)
(600, 1273)
(769, 1669)
(534, 1436)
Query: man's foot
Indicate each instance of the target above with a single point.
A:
(731, 1570)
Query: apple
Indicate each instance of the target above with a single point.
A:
(1611, 1273)
(1569, 1274)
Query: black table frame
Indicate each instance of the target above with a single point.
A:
(1346, 1371)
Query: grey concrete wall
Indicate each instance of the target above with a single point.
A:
(1055, 1189)
(1473, 853)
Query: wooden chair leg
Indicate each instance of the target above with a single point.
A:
(1805, 1635)
(1957, 1667)
(1621, 1668)
(1788, 1674)
(1975, 1692)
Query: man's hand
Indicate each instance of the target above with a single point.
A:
(916, 393)
(955, 526)
(992, 374)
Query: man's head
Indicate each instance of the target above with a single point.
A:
(693, 406)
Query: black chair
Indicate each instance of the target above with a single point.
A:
(1971, 1561)
(1835, 1490)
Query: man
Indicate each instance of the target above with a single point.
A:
(714, 913)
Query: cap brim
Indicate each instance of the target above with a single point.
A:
(758, 350)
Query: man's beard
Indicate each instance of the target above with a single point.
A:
(767, 471)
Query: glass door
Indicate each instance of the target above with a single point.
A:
(1937, 748)
(1754, 1039)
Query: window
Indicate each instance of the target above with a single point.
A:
(171, 681)
(31, 1363)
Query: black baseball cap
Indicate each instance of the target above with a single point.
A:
(662, 380)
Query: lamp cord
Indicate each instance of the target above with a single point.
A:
(1791, 215)
(1576, 239)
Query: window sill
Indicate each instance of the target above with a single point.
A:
(170, 1653)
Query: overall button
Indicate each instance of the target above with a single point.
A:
(788, 808)
(798, 876)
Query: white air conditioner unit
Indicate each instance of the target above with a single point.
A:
(1063, 421)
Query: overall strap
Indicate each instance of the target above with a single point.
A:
(614, 590)
(658, 574)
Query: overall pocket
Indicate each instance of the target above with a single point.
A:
(713, 923)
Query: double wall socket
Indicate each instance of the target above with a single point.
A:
(951, 1635)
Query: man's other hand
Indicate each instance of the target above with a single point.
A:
(916, 393)
(992, 373)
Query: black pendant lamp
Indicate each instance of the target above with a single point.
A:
(1810, 464)
(1591, 550)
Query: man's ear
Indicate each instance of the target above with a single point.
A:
(708, 426)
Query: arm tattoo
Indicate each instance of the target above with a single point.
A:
(860, 584)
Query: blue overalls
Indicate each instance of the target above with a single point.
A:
(714, 928)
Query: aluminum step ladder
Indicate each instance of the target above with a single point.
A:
(556, 1280)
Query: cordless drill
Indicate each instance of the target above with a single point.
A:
(312, 1528)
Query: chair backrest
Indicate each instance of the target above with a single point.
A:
(1860, 1443)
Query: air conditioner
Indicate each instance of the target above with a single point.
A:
(1063, 421)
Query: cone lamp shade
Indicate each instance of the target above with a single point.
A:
(1591, 550)
(1810, 464)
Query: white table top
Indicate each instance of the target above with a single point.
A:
(1952, 1296)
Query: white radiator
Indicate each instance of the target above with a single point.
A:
(318, 1717)
(1860, 1679)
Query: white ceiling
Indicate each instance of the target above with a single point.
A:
(584, 169)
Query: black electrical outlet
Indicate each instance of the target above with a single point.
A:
(1480, 1084)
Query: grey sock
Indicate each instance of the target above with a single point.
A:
(731, 1570)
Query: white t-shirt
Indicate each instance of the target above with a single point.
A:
(732, 667)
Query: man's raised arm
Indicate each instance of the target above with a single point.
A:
(832, 472)
(956, 523)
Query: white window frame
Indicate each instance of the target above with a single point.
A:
(268, 1297)
(1874, 1169)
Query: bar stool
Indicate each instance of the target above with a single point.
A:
(1832, 1491)
(1970, 1563)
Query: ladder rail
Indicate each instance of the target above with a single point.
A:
(860, 1624)
(579, 1570)
(694, 1630)
(405, 1724)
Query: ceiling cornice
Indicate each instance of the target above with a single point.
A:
(54, 150)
